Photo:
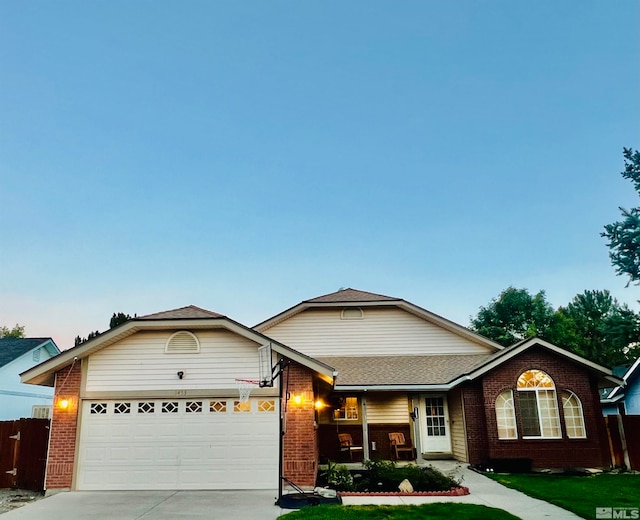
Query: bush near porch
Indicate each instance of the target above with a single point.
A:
(579, 494)
(384, 476)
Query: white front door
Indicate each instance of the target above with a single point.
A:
(434, 424)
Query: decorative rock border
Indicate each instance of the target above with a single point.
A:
(453, 492)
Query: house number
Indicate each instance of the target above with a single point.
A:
(181, 393)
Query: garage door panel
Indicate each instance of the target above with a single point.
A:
(204, 444)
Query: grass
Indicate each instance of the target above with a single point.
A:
(579, 494)
(442, 511)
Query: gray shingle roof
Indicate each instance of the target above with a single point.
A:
(188, 312)
(351, 295)
(13, 348)
(402, 370)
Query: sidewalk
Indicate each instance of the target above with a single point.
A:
(483, 491)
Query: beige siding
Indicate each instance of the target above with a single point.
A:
(382, 331)
(139, 362)
(387, 409)
(456, 420)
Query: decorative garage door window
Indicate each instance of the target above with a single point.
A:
(219, 406)
(122, 408)
(538, 405)
(193, 406)
(241, 407)
(98, 408)
(146, 407)
(266, 405)
(170, 407)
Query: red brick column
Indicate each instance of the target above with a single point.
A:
(64, 424)
(300, 439)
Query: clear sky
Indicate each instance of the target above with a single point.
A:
(243, 156)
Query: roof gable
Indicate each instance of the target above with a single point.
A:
(497, 359)
(356, 298)
(633, 371)
(184, 318)
(13, 348)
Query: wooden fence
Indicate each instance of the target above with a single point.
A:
(623, 433)
(23, 453)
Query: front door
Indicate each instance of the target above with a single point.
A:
(434, 424)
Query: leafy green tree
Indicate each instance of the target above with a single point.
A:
(624, 235)
(15, 332)
(599, 328)
(513, 316)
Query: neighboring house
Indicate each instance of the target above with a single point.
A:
(19, 400)
(625, 399)
(153, 403)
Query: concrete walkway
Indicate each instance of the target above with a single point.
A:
(483, 491)
(258, 505)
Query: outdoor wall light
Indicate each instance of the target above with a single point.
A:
(297, 399)
(63, 404)
(180, 374)
(319, 404)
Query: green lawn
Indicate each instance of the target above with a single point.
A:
(443, 511)
(578, 494)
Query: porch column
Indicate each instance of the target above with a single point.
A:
(365, 430)
(417, 438)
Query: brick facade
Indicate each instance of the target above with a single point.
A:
(64, 423)
(300, 438)
(479, 401)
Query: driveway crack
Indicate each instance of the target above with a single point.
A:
(156, 505)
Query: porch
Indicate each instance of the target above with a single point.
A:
(431, 425)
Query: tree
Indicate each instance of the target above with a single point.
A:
(599, 328)
(513, 316)
(117, 319)
(624, 235)
(15, 332)
(593, 325)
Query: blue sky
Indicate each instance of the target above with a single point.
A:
(244, 156)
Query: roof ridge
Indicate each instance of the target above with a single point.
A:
(188, 311)
(348, 294)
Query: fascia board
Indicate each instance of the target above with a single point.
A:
(501, 358)
(391, 388)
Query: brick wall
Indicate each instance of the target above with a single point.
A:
(300, 439)
(64, 422)
(545, 453)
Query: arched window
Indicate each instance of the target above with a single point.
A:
(538, 405)
(573, 417)
(506, 416)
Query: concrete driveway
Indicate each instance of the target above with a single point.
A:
(147, 505)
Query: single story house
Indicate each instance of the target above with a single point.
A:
(154, 403)
(18, 400)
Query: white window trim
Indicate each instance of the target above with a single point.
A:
(345, 407)
(513, 416)
(555, 395)
(584, 426)
(349, 311)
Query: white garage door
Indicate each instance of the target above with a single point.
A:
(179, 444)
